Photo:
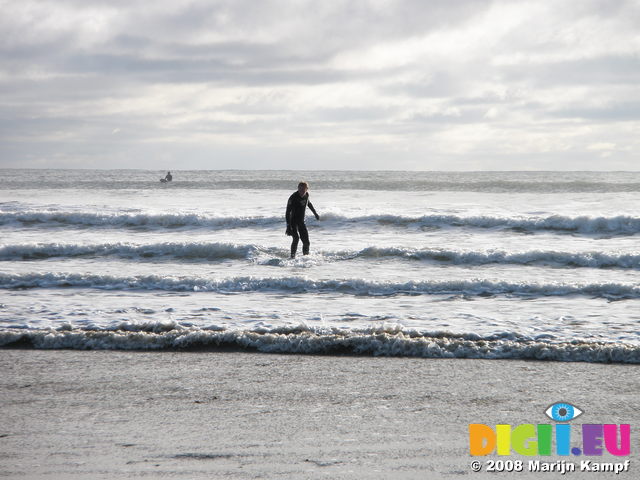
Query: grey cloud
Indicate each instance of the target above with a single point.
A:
(468, 115)
(197, 71)
(56, 81)
(351, 114)
(610, 69)
(318, 30)
(616, 112)
(434, 84)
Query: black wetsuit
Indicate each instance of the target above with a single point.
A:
(296, 208)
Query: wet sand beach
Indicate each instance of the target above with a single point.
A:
(115, 414)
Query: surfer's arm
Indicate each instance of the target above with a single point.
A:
(310, 205)
(287, 214)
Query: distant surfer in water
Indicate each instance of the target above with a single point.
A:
(168, 177)
(296, 228)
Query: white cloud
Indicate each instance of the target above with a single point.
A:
(601, 146)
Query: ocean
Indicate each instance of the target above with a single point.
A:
(523, 265)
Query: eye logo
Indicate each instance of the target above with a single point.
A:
(563, 412)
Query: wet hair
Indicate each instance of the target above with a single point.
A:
(303, 184)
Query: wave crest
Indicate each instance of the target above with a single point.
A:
(618, 225)
(359, 287)
(203, 251)
(300, 340)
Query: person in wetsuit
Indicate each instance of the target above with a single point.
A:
(168, 177)
(296, 228)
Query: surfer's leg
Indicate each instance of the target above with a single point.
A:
(294, 240)
(304, 235)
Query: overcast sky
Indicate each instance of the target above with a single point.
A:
(370, 84)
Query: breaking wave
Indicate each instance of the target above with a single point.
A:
(138, 220)
(192, 251)
(474, 258)
(619, 225)
(203, 251)
(358, 287)
(392, 342)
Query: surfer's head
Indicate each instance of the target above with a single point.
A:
(303, 188)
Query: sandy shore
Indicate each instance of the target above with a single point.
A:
(97, 414)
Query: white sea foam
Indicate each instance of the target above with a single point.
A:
(294, 284)
(536, 257)
(208, 251)
(303, 340)
(623, 225)
(617, 225)
(184, 250)
(137, 220)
